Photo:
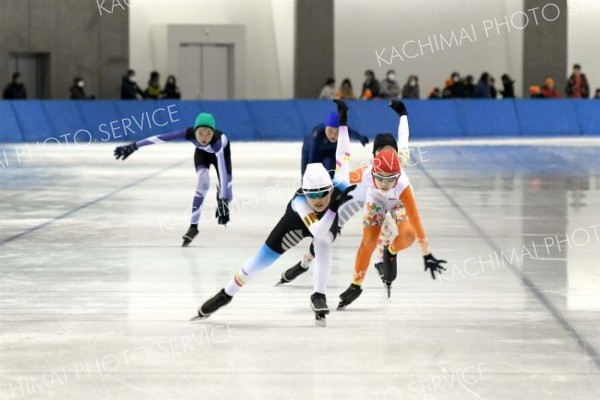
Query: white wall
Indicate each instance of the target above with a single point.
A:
(584, 39)
(362, 27)
(269, 38)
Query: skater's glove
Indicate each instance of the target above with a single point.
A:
(342, 110)
(122, 152)
(341, 198)
(434, 265)
(399, 107)
(222, 213)
(364, 140)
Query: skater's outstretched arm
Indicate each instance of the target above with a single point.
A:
(320, 228)
(122, 152)
(356, 135)
(412, 211)
(403, 130)
(342, 150)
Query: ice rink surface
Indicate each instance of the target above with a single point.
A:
(96, 292)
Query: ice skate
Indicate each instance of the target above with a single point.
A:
(318, 303)
(390, 269)
(291, 273)
(191, 233)
(379, 267)
(349, 296)
(213, 304)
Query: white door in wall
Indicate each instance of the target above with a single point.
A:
(205, 71)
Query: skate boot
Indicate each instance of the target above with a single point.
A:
(291, 273)
(189, 236)
(379, 267)
(318, 302)
(349, 296)
(213, 304)
(390, 269)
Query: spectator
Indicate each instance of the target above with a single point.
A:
(328, 90)
(370, 89)
(577, 86)
(171, 90)
(411, 88)
(549, 90)
(346, 92)
(597, 96)
(509, 87)
(447, 92)
(15, 90)
(535, 92)
(469, 87)
(434, 94)
(457, 89)
(493, 90)
(153, 90)
(129, 88)
(482, 90)
(389, 86)
(77, 91)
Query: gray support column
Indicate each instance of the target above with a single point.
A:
(545, 44)
(314, 46)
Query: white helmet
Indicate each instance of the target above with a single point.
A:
(316, 178)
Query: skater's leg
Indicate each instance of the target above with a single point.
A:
(322, 267)
(263, 259)
(406, 237)
(201, 188)
(388, 233)
(363, 256)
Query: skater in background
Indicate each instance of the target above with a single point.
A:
(212, 148)
(312, 212)
(320, 145)
(383, 141)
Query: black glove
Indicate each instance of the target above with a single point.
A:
(434, 265)
(222, 213)
(364, 140)
(342, 110)
(125, 151)
(341, 198)
(399, 107)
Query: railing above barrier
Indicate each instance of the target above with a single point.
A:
(106, 121)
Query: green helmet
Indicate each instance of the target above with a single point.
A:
(205, 119)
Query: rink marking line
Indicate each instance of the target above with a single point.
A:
(556, 313)
(89, 203)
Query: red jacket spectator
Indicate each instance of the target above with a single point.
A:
(577, 86)
(549, 90)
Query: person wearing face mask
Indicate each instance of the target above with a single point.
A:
(171, 90)
(371, 88)
(411, 88)
(212, 148)
(78, 91)
(389, 86)
(129, 88)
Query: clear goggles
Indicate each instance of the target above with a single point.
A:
(386, 179)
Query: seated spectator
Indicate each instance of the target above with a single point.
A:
(469, 87)
(153, 90)
(411, 88)
(328, 90)
(434, 94)
(389, 86)
(129, 88)
(482, 90)
(535, 92)
(346, 92)
(597, 96)
(548, 90)
(15, 90)
(77, 90)
(509, 87)
(577, 86)
(447, 91)
(370, 88)
(171, 90)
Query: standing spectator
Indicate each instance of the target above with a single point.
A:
(77, 90)
(328, 90)
(389, 86)
(346, 92)
(577, 86)
(15, 90)
(129, 88)
(469, 87)
(457, 89)
(434, 94)
(493, 90)
(370, 88)
(509, 87)
(482, 90)
(171, 90)
(597, 96)
(411, 88)
(549, 90)
(153, 90)
(447, 91)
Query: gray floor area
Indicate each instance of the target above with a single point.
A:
(96, 292)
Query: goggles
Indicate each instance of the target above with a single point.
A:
(387, 179)
(317, 194)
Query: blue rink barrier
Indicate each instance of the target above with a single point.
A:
(124, 121)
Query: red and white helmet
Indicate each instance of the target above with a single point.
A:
(386, 165)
